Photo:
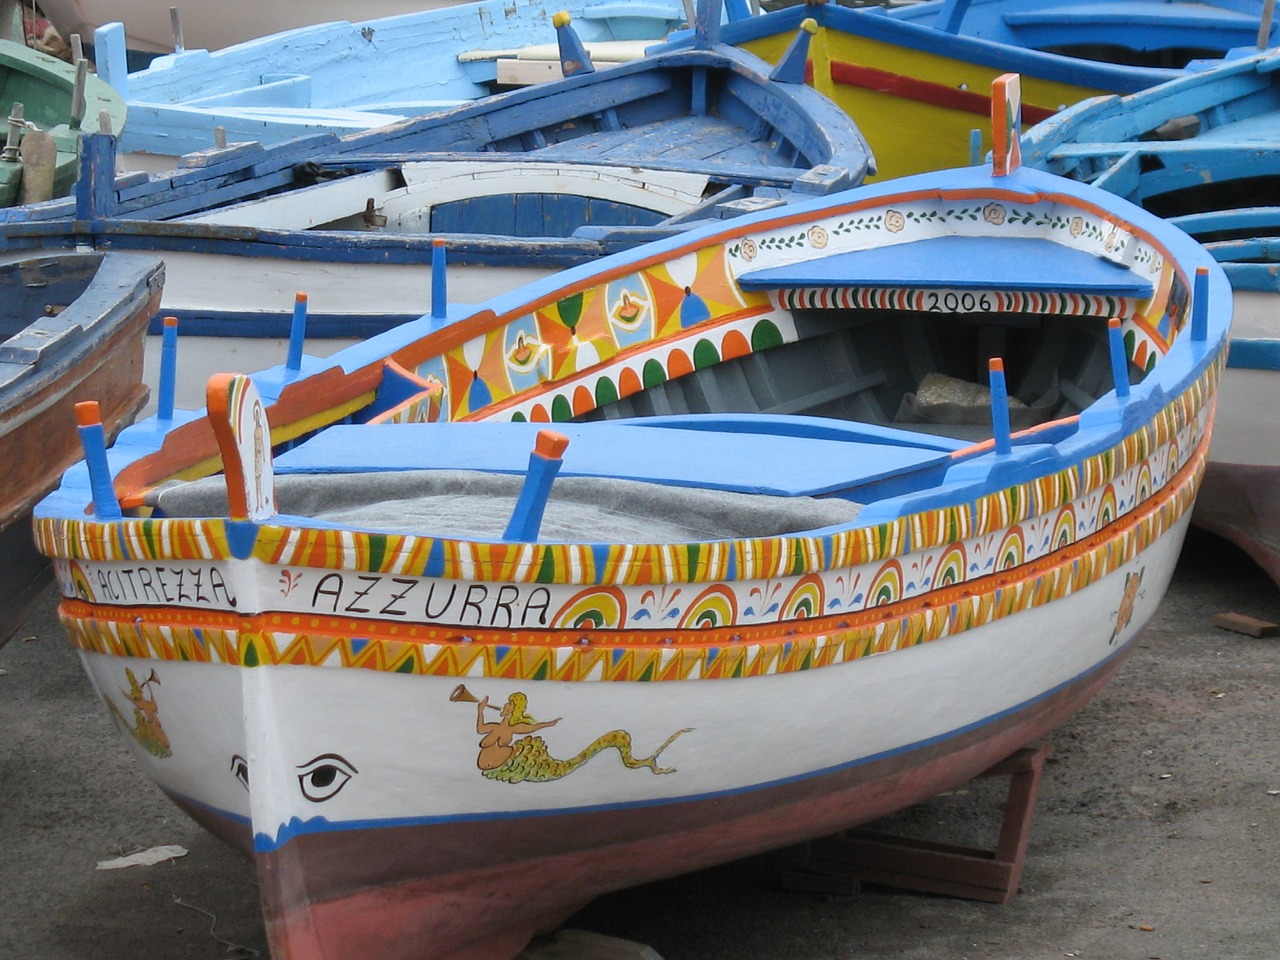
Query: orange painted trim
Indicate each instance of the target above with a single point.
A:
(737, 635)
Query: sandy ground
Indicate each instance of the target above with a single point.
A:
(1155, 835)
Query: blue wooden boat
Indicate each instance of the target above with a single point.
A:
(71, 329)
(1163, 33)
(1204, 151)
(342, 77)
(777, 472)
(915, 80)
(518, 185)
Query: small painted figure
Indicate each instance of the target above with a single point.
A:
(146, 728)
(1132, 581)
(504, 757)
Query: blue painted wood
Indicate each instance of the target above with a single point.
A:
(779, 464)
(961, 263)
(344, 77)
(1216, 175)
(1161, 28)
(646, 125)
(895, 26)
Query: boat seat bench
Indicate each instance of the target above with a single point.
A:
(723, 453)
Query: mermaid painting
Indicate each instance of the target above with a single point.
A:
(509, 752)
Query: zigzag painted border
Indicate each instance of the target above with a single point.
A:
(630, 656)
(739, 560)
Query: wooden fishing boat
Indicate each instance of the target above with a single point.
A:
(343, 77)
(1204, 152)
(46, 101)
(917, 90)
(443, 696)
(1158, 33)
(71, 329)
(519, 185)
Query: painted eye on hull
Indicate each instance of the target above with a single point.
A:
(240, 769)
(321, 779)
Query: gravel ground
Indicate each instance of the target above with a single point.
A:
(1155, 834)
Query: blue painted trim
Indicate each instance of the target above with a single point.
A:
(1247, 354)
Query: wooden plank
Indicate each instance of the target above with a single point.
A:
(1250, 626)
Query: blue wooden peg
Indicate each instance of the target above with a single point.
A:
(297, 332)
(544, 464)
(1119, 362)
(706, 24)
(1200, 306)
(94, 441)
(574, 59)
(975, 147)
(999, 406)
(793, 66)
(110, 53)
(439, 291)
(95, 187)
(168, 368)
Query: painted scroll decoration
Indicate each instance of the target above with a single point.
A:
(239, 422)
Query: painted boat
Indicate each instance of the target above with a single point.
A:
(46, 101)
(1158, 33)
(518, 185)
(918, 91)
(343, 77)
(1204, 151)
(72, 329)
(443, 696)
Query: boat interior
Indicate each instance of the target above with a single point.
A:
(42, 287)
(865, 405)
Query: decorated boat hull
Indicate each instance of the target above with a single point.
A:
(1204, 151)
(782, 622)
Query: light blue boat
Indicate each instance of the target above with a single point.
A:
(1204, 152)
(344, 77)
(1164, 33)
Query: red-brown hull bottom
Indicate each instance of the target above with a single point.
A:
(1241, 503)
(480, 890)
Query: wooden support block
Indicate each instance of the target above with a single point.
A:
(868, 856)
(570, 944)
(1251, 626)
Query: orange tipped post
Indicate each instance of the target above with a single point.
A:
(999, 407)
(544, 464)
(297, 331)
(94, 441)
(168, 368)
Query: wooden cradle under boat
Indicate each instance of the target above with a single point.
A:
(456, 734)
